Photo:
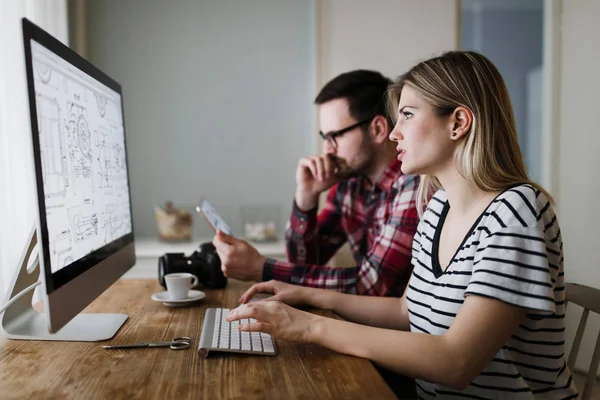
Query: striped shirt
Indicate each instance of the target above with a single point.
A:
(513, 253)
(378, 220)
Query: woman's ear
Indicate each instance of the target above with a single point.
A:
(380, 129)
(460, 122)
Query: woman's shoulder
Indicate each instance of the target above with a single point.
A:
(524, 205)
(437, 202)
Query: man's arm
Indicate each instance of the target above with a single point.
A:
(312, 239)
(384, 270)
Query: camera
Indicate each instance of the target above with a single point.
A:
(204, 263)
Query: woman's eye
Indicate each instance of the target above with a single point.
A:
(407, 114)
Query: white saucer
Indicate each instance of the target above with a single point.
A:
(194, 295)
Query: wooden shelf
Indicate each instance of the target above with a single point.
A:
(156, 248)
(148, 250)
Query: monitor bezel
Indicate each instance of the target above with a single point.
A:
(54, 281)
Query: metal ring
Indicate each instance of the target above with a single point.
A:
(180, 345)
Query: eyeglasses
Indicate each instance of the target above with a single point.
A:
(331, 136)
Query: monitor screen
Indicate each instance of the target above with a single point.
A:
(82, 150)
(80, 158)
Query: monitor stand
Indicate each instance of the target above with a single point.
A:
(22, 321)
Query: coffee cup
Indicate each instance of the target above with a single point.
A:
(179, 285)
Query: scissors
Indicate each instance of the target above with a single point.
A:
(179, 343)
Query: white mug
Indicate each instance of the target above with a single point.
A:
(179, 285)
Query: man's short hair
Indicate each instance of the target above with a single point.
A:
(365, 91)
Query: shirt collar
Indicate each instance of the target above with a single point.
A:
(387, 179)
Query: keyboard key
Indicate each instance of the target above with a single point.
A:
(246, 341)
(225, 331)
(256, 343)
(235, 336)
(267, 342)
(217, 326)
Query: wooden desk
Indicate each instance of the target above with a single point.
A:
(73, 370)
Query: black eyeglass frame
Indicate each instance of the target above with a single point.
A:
(334, 134)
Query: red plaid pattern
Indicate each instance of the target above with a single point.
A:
(378, 220)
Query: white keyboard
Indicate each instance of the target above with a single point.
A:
(220, 335)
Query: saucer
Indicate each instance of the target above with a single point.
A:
(194, 295)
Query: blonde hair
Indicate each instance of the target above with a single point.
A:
(489, 155)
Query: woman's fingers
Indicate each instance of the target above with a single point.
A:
(257, 311)
(262, 287)
(258, 326)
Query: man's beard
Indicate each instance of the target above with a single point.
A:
(363, 164)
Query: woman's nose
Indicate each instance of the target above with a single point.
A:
(395, 134)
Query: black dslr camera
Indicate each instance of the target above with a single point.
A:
(203, 263)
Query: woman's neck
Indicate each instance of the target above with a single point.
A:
(464, 197)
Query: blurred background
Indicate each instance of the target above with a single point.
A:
(218, 98)
(218, 94)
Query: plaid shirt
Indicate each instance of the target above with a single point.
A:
(379, 220)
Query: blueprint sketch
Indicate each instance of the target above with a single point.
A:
(83, 159)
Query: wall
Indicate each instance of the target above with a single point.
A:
(201, 123)
(510, 35)
(579, 164)
(218, 99)
(384, 35)
(18, 201)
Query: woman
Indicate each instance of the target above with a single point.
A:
(485, 303)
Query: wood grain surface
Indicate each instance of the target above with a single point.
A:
(74, 370)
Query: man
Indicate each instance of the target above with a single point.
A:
(370, 203)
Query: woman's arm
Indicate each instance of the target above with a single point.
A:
(480, 329)
(454, 359)
(382, 312)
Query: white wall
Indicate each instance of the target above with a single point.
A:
(18, 201)
(579, 157)
(389, 36)
(218, 99)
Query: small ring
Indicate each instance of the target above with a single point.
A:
(180, 345)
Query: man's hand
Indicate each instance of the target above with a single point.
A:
(314, 175)
(239, 260)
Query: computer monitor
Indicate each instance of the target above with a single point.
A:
(85, 228)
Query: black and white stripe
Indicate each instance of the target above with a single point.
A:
(513, 253)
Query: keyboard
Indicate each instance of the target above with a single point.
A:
(220, 335)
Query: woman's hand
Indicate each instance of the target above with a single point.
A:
(278, 320)
(284, 292)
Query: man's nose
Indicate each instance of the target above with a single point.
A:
(329, 147)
